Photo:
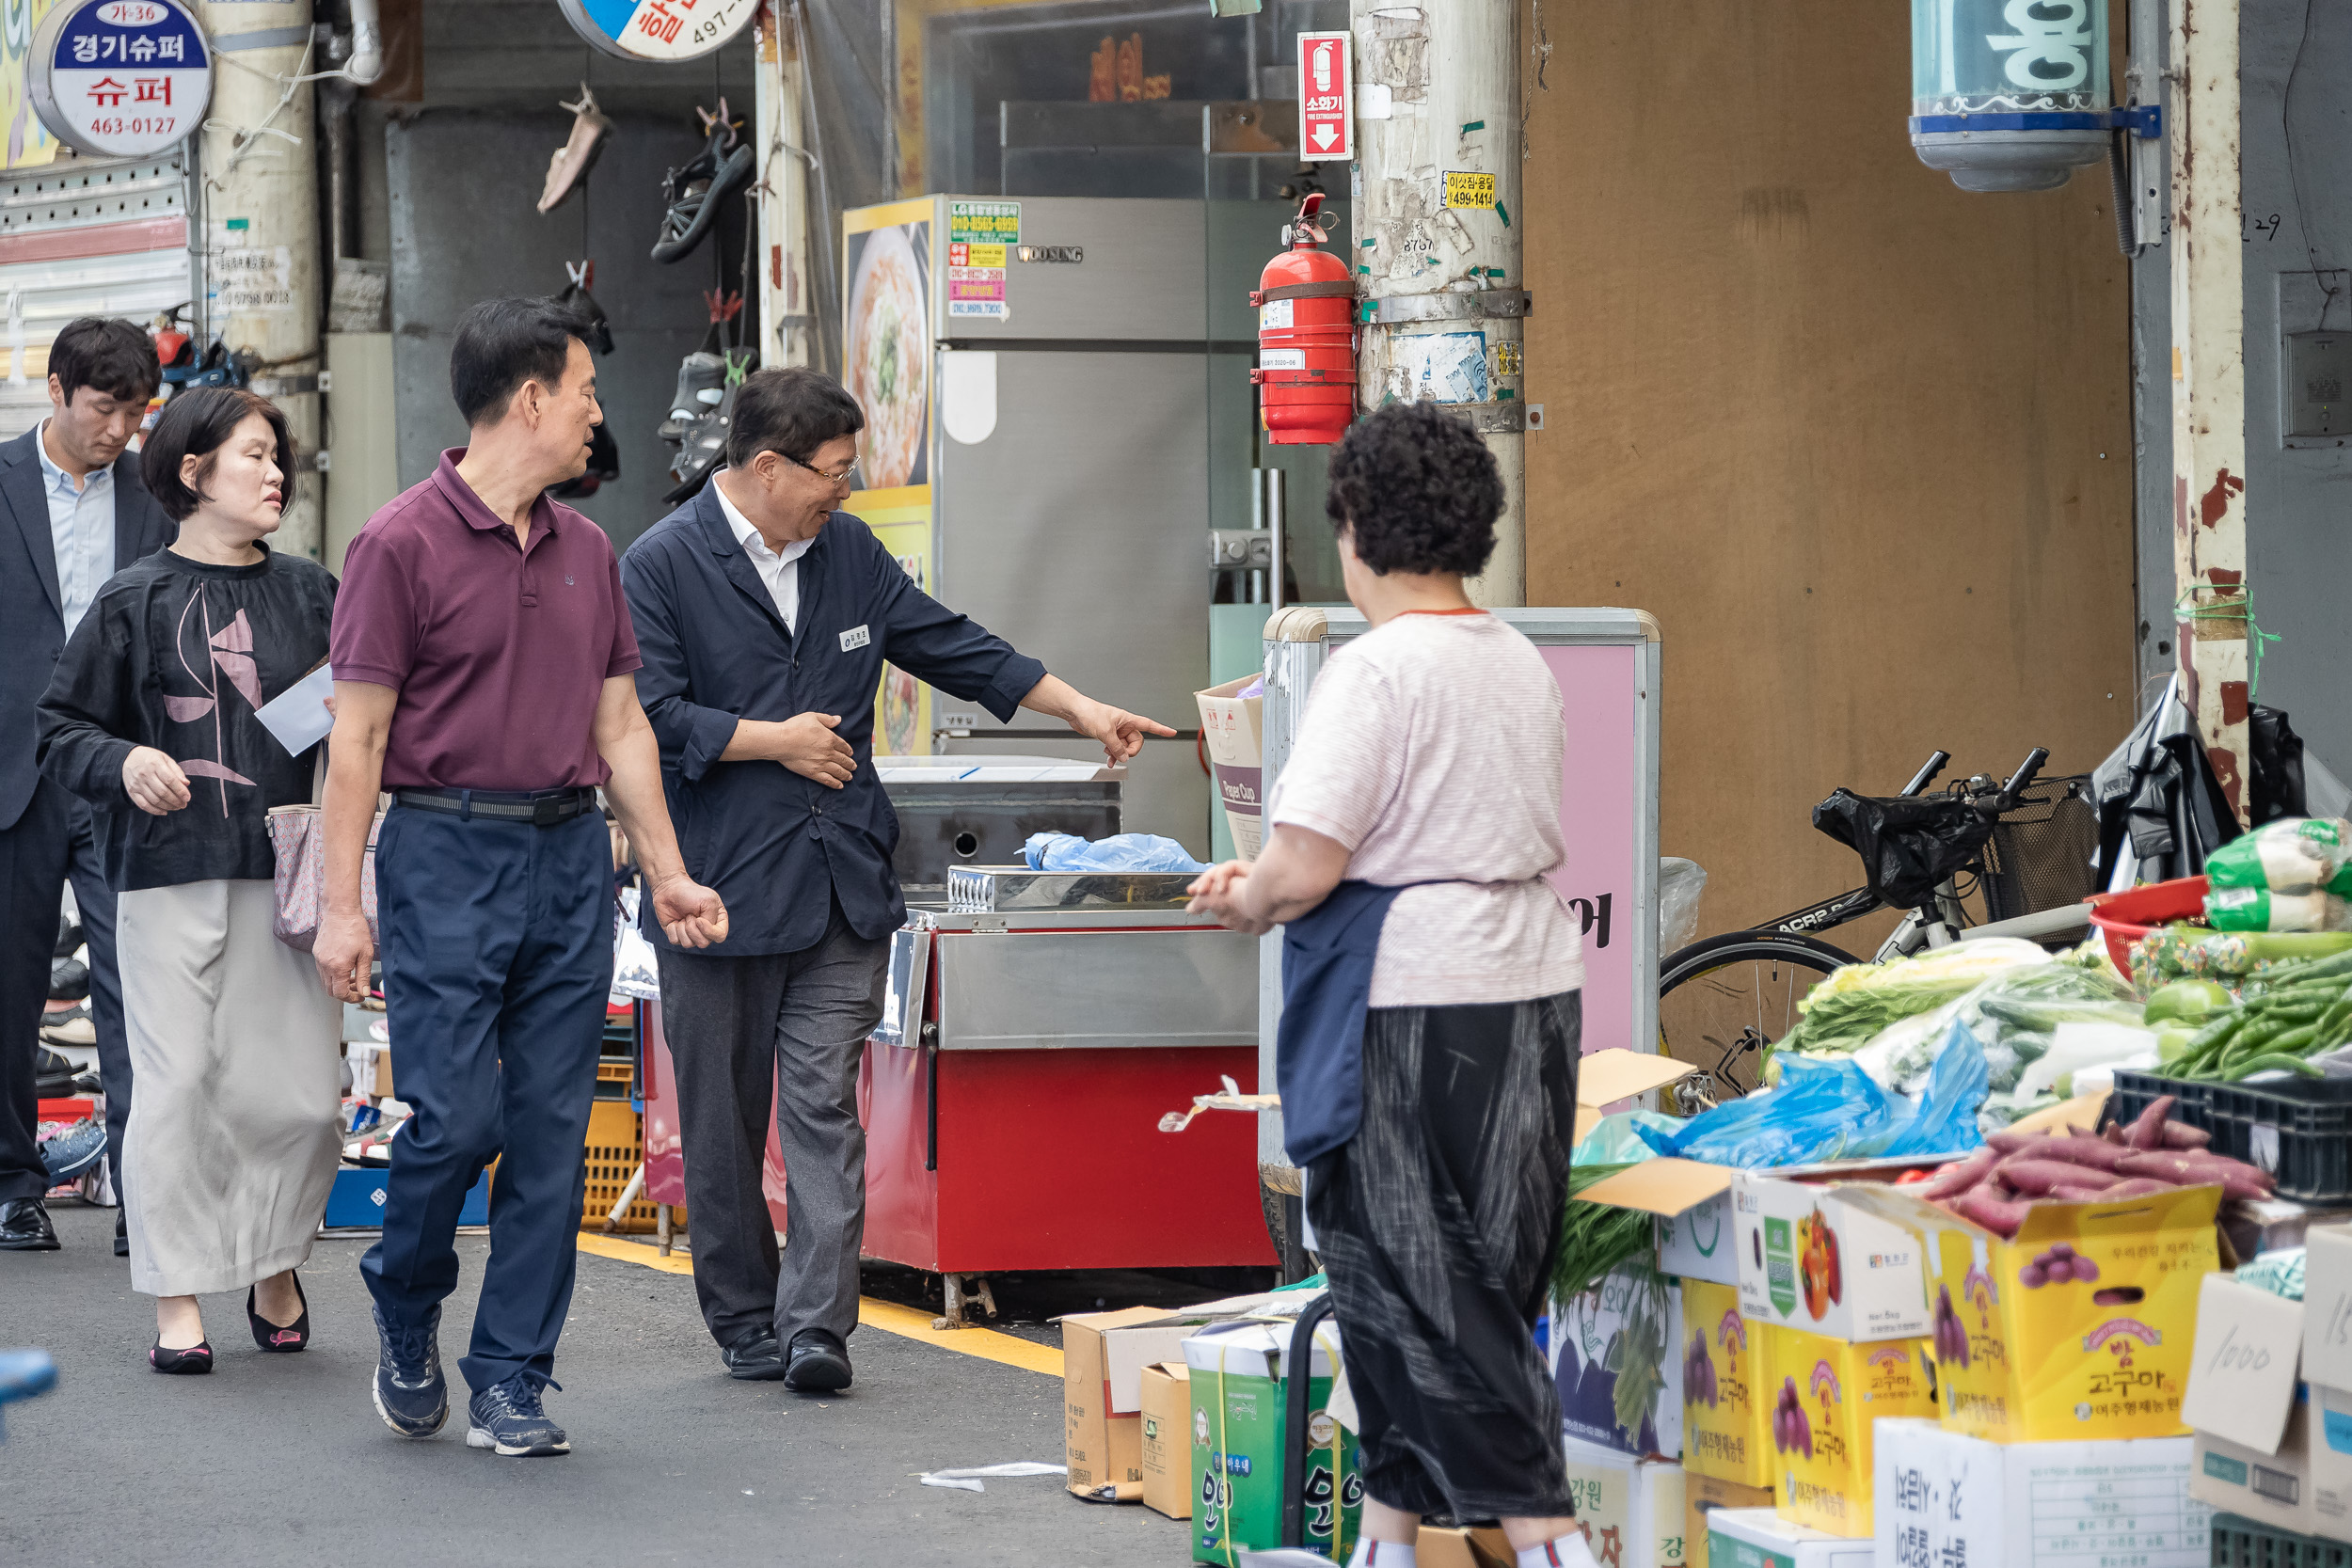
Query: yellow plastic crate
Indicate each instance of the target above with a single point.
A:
(615, 1145)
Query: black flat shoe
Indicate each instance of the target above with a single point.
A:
(25, 1227)
(196, 1359)
(122, 1233)
(267, 1335)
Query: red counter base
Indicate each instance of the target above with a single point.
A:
(1055, 1160)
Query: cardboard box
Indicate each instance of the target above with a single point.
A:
(1104, 1444)
(2073, 1361)
(1843, 1389)
(1233, 728)
(2328, 1306)
(1809, 1259)
(1456, 1547)
(1632, 1327)
(1726, 1432)
(2247, 1404)
(1700, 1242)
(1239, 1419)
(1703, 1494)
(1631, 1509)
(1166, 1450)
(1943, 1497)
(1758, 1537)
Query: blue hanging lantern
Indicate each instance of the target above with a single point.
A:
(2010, 95)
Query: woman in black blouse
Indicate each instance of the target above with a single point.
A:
(232, 1141)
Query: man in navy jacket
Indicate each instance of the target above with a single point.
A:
(764, 617)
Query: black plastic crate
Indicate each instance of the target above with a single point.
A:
(2299, 1130)
(2241, 1543)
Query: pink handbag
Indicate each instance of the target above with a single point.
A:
(300, 848)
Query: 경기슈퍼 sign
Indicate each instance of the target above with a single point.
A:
(666, 31)
(120, 78)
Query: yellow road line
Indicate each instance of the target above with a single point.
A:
(889, 1317)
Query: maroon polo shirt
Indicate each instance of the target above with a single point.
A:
(498, 650)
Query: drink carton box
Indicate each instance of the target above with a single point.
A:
(1239, 1420)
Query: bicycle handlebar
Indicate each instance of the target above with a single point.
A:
(1925, 776)
(2022, 779)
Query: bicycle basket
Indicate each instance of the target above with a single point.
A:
(2042, 850)
(1908, 844)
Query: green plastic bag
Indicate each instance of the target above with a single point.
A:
(2258, 908)
(2295, 854)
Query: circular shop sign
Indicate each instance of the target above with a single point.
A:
(662, 31)
(120, 78)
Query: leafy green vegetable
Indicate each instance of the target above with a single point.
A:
(1594, 1238)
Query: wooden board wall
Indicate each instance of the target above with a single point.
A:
(1860, 440)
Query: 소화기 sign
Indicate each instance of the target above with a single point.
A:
(1327, 111)
(663, 31)
(120, 78)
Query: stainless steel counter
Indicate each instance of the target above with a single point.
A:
(1070, 978)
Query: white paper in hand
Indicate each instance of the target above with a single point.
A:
(297, 716)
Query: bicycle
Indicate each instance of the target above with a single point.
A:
(1733, 995)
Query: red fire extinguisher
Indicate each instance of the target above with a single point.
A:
(1306, 372)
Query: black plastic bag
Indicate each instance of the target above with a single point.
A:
(1908, 844)
(2277, 766)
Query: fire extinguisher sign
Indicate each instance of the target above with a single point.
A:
(1327, 107)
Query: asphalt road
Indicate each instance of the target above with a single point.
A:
(280, 1459)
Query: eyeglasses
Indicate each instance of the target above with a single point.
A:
(842, 478)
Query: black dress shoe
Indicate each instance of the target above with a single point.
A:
(122, 1233)
(25, 1227)
(819, 1363)
(755, 1357)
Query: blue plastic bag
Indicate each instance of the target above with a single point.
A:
(1119, 853)
(1821, 1110)
(1946, 1121)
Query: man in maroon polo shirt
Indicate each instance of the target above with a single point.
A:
(482, 655)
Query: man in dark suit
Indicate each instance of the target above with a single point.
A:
(73, 512)
(764, 616)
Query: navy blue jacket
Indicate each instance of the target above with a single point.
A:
(779, 847)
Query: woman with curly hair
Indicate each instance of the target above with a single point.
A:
(1431, 998)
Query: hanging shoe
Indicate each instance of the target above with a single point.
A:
(69, 979)
(69, 937)
(702, 380)
(694, 193)
(74, 1031)
(577, 155)
(53, 1075)
(580, 302)
(604, 466)
(702, 448)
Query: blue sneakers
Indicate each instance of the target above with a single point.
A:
(411, 1394)
(75, 1150)
(508, 1421)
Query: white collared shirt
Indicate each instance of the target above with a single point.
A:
(781, 573)
(81, 530)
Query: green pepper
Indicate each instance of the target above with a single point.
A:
(2271, 1062)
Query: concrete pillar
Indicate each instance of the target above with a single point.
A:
(786, 301)
(2209, 384)
(258, 164)
(1434, 197)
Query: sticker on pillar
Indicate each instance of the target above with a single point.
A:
(250, 279)
(1470, 190)
(120, 78)
(664, 31)
(1442, 367)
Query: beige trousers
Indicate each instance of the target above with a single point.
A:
(233, 1138)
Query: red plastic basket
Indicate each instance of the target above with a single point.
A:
(2123, 918)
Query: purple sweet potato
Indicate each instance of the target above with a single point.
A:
(2234, 1177)
(1959, 1175)
(2148, 1131)
(1980, 1207)
(2180, 1136)
(2037, 1176)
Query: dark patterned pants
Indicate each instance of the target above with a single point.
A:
(1437, 1225)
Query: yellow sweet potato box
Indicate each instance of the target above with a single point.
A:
(1820, 1400)
(2080, 1327)
(1724, 1433)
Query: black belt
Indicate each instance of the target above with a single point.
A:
(543, 808)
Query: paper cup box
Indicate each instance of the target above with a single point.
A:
(1238, 1425)
(1232, 729)
(2082, 1327)
(1724, 1431)
(1822, 1398)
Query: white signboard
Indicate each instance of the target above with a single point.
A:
(1327, 111)
(120, 78)
(664, 31)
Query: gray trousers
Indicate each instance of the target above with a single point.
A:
(799, 1020)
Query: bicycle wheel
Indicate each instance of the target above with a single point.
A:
(1722, 1001)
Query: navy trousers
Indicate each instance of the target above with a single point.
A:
(498, 961)
(55, 839)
